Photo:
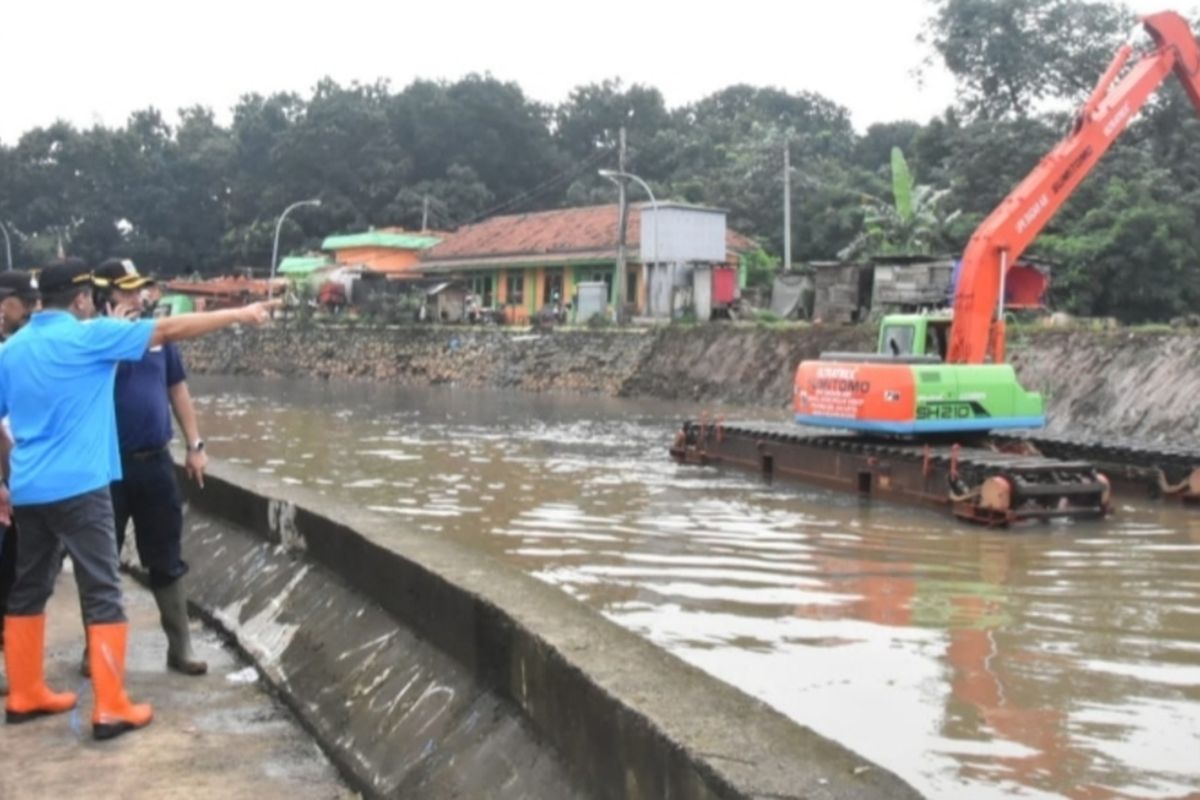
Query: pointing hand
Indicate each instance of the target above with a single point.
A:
(260, 313)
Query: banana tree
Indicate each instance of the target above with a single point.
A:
(913, 223)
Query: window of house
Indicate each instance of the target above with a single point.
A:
(481, 287)
(515, 288)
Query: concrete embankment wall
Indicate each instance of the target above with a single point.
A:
(426, 669)
(1118, 383)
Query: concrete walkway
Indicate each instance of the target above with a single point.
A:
(218, 736)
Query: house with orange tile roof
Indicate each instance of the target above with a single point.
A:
(518, 264)
(394, 252)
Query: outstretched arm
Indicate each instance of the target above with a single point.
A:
(192, 326)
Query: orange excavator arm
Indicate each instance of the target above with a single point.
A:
(978, 327)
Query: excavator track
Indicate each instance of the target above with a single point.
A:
(976, 483)
(1158, 470)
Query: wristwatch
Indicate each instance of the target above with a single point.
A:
(196, 446)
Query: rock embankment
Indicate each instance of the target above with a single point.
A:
(566, 360)
(1122, 383)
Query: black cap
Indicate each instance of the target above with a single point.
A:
(19, 283)
(67, 274)
(121, 273)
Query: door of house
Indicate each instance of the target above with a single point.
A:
(515, 289)
(552, 288)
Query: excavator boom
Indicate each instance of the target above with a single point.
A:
(978, 328)
(925, 380)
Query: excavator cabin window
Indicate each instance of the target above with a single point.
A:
(899, 339)
(936, 340)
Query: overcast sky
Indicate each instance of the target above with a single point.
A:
(93, 62)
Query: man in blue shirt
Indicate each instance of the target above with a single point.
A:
(147, 392)
(56, 387)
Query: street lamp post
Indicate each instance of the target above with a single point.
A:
(787, 208)
(275, 247)
(7, 246)
(616, 176)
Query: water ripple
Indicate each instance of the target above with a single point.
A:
(1054, 660)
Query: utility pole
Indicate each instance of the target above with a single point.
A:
(787, 207)
(425, 215)
(7, 246)
(622, 225)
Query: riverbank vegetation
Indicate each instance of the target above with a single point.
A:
(187, 192)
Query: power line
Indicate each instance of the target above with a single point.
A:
(541, 187)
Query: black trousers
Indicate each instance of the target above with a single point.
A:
(149, 495)
(8, 571)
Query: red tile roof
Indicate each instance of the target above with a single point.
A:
(739, 242)
(568, 230)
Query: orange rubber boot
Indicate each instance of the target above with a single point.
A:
(28, 695)
(114, 714)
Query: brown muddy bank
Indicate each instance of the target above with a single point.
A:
(1116, 383)
(1123, 382)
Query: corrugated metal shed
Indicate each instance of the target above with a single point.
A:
(685, 233)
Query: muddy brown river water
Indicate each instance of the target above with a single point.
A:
(1057, 660)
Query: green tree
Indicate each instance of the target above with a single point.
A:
(873, 150)
(729, 154)
(1134, 256)
(760, 267)
(457, 197)
(66, 190)
(1008, 56)
(592, 116)
(480, 123)
(587, 132)
(259, 188)
(980, 162)
(202, 174)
